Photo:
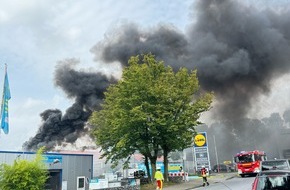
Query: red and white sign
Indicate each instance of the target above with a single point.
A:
(184, 175)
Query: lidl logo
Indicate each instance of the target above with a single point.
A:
(200, 140)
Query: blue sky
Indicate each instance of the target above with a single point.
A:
(36, 34)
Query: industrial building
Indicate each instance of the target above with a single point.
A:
(66, 171)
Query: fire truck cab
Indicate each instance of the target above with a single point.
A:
(248, 162)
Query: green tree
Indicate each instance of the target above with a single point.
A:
(24, 174)
(151, 110)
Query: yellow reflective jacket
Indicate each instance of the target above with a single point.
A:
(158, 175)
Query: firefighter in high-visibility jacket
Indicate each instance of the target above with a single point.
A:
(203, 172)
(159, 178)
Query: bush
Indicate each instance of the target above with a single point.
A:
(24, 174)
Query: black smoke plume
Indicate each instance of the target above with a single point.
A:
(237, 50)
(87, 90)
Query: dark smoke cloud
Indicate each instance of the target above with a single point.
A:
(268, 134)
(164, 41)
(238, 50)
(87, 90)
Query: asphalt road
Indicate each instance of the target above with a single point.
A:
(236, 183)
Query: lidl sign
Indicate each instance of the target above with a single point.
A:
(201, 154)
(200, 140)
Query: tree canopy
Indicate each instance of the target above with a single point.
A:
(150, 109)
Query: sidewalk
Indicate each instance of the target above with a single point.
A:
(194, 183)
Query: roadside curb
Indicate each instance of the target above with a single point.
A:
(198, 186)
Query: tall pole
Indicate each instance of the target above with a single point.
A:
(183, 159)
(216, 155)
(193, 164)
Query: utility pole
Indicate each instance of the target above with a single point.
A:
(183, 157)
(193, 164)
(216, 155)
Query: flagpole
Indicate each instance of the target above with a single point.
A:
(2, 103)
(4, 107)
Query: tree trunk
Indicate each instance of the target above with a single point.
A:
(147, 168)
(153, 166)
(165, 163)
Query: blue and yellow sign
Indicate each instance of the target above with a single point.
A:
(200, 140)
(201, 154)
(53, 159)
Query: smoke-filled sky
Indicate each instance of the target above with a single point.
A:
(61, 56)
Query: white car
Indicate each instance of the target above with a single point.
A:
(277, 164)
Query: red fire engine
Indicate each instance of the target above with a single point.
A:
(248, 162)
